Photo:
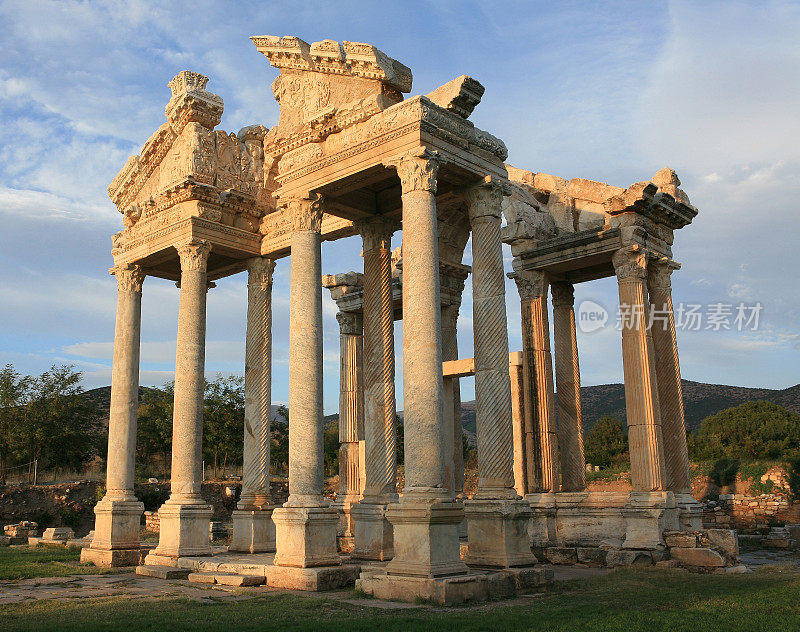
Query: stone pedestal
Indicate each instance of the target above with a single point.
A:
(542, 525)
(498, 533)
(373, 538)
(426, 538)
(184, 530)
(253, 531)
(647, 515)
(690, 512)
(306, 536)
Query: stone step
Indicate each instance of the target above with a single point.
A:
(226, 579)
(162, 572)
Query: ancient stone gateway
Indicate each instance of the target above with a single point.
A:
(350, 156)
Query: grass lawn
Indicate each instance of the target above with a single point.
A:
(628, 600)
(44, 561)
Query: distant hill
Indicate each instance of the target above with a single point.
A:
(699, 400)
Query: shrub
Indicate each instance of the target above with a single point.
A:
(793, 468)
(153, 496)
(70, 517)
(724, 471)
(606, 444)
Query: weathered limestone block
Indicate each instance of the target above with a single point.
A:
(460, 96)
(628, 558)
(561, 555)
(723, 540)
(58, 533)
(681, 539)
(695, 557)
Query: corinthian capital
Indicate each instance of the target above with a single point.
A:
(350, 323)
(194, 254)
(306, 213)
(417, 171)
(630, 263)
(484, 200)
(259, 272)
(129, 277)
(376, 233)
(531, 284)
(563, 294)
(659, 272)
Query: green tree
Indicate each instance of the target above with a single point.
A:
(606, 444)
(154, 435)
(330, 441)
(223, 421)
(13, 394)
(279, 453)
(754, 430)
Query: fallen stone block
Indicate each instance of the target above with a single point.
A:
(201, 578)
(58, 533)
(162, 572)
(723, 540)
(698, 557)
(225, 579)
(629, 558)
(591, 556)
(561, 555)
(680, 539)
(738, 570)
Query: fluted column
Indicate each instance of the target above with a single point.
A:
(184, 518)
(568, 389)
(373, 533)
(668, 373)
(118, 513)
(641, 390)
(539, 400)
(425, 520)
(351, 410)
(379, 397)
(497, 523)
(306, 525)
(253, 530)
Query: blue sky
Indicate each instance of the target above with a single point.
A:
(606, 91)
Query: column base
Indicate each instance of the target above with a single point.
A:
(426, 538)
(306, 536)
(690, 512)
(253, 531)
(647, 515)
(542, 525)
(113, 558)
(498, 533)
(116, 524)
(373, 533)
(184, 531)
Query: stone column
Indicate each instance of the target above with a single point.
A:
(305, 526)
(373, 532)
(253, 529)
(185, 517)
(452, 401)
(647, 502)
(497, 523)
(541, 441)
(568, 389)
(426, 519)
(116, 531)
(351, 417)
(518, 420)
(670, 393)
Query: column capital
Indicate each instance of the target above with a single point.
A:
(659, 272)
(563, 294)
(376, 232)
(630, 263)
(194, 254)
(305, 213)
(350, 323)
(130, 277)
(259, 271)
(485, 199)
(531, 284)
(417, 170)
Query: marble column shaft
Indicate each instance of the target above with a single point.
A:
(568, 389)
(380, 433)
(257, 385)
(668, 373)
(539, 399)
(641, 390)
(306, 456)
(422, 342)
(351, 406)
(452, 402)
(492, 384)
(125, 385)
(187, 425)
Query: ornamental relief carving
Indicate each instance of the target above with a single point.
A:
(305, 213)
(418, 174)
(194, 254)
(630, 263)
(129, 278)
(531, 284)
